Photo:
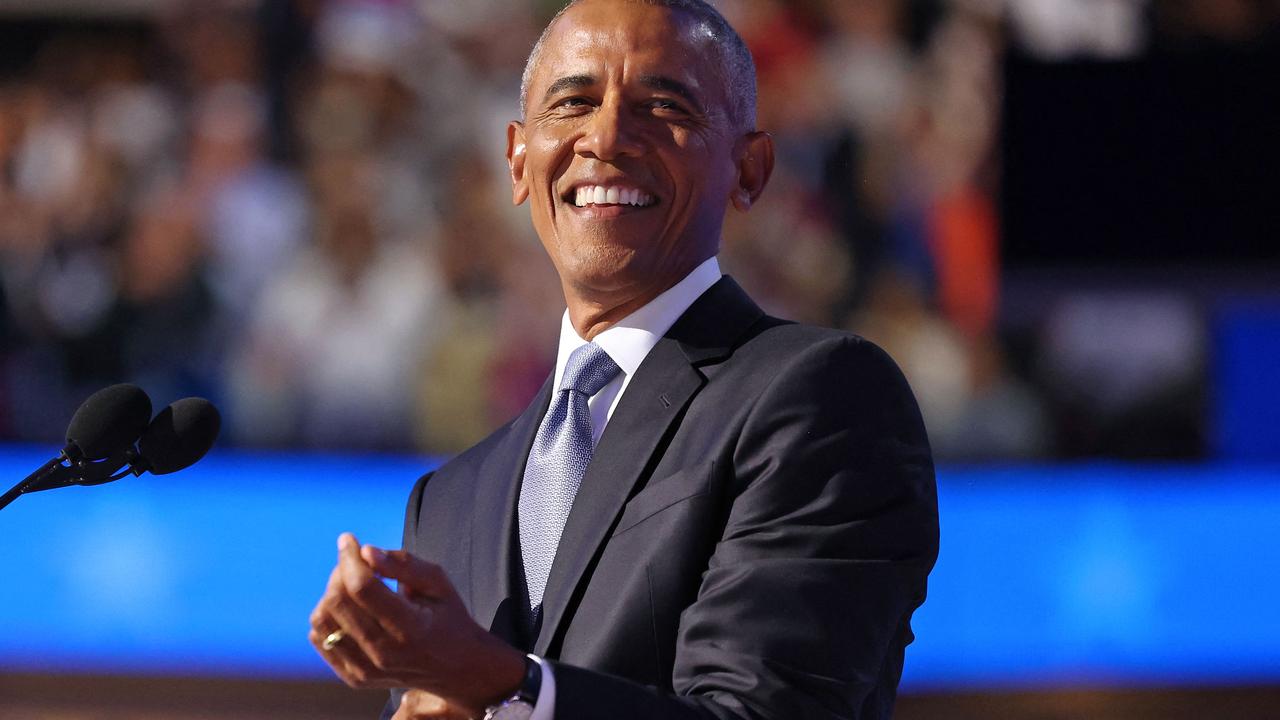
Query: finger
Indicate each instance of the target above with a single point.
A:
(350, 663)
(357, 575)
(366, 588)
(328, 632)
(337, 611)
(365, 627)
(323, 622)
(348, 657)
(376, 558)
(419, 577)
(418, 704)
(349, 550)
(343, 655)
(324, 633)
(325, 640)
(320, 618)
(405, 711)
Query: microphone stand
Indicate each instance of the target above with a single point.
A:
(39, 477)
(54, 474)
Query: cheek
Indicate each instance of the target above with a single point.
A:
(698, 163)
(548, 159)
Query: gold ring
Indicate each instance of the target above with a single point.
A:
(333, 639)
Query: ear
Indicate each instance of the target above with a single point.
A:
(754, 154)
(515, 162)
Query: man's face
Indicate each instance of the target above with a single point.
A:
(627, 152)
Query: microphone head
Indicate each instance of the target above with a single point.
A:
(180, 435)
(109, 421)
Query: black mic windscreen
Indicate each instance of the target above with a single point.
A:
(180, 435)
(109, 421)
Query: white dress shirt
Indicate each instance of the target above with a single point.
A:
(628, 343)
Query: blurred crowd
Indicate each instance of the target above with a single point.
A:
(299, 209)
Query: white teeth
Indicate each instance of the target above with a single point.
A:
(601, 195)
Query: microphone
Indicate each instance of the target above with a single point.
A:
(109, 420)
(178, 437)
(106, 422)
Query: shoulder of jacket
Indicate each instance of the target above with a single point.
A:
(784, 338)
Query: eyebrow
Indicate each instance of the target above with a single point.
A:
(569, 82)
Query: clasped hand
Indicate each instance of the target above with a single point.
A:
(421, 638)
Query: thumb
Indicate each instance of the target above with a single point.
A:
(422, 705)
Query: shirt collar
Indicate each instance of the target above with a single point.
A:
(631, 339)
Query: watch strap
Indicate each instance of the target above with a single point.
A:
(532, 683)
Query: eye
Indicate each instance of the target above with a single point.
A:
(666, 106)
(575, 101)
(568, 107)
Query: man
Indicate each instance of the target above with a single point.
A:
(707, 512)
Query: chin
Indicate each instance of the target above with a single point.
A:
(604, 268)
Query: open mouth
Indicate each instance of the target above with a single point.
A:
(585, 196)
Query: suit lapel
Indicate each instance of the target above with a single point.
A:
(663, 386)
(496, 497)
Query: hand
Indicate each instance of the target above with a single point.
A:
(422, 705)
(421, 638)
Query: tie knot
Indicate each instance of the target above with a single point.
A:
(589, 369)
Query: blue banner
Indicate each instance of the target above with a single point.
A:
(1049, 576)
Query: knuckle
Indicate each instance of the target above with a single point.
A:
(365, 589)
(384, 654)
(434, 575)
(338, 609)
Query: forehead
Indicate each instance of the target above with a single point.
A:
(603, 36)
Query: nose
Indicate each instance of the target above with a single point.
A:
(610, 133)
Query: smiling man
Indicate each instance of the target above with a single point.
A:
(706, 512)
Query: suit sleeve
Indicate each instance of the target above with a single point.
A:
(832, 529)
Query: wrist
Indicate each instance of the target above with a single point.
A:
(520, 704)
(503, 678)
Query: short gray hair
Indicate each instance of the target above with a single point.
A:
(737, 69)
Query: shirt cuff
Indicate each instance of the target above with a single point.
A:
(545, 707)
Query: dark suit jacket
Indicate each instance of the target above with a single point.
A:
(751, 537)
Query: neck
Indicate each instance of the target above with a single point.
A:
(592, 310)
(592, 314)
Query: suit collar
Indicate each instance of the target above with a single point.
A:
(715, 322)
(658, 394)
(631, 338)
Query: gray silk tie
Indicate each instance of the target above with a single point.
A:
(561, 450)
